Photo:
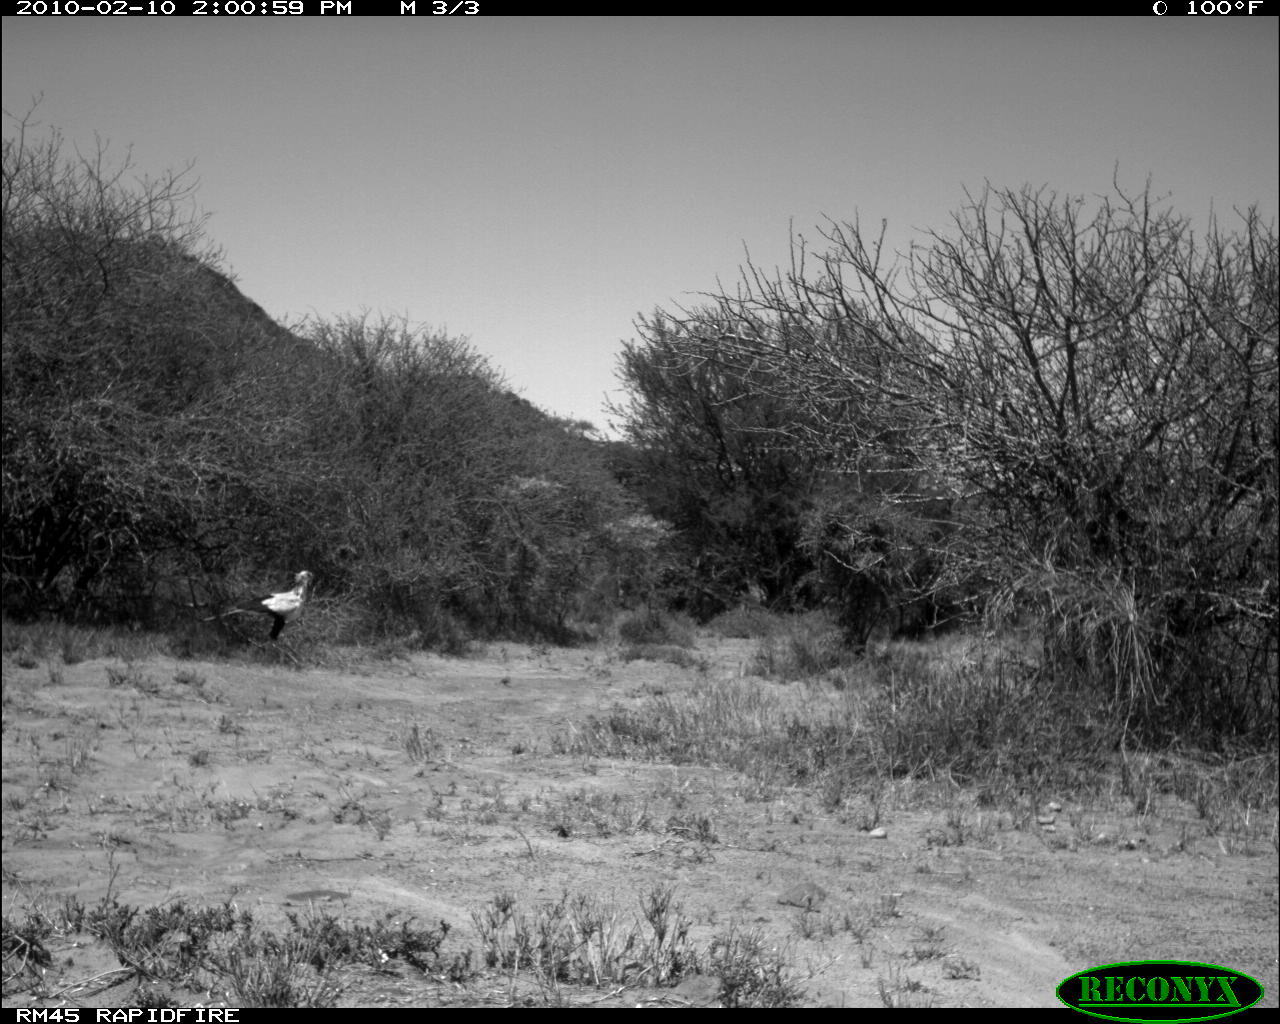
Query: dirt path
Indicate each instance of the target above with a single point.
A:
(271, 787)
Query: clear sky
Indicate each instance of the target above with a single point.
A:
(533, 184)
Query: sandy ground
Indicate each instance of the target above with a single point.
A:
(273, 787)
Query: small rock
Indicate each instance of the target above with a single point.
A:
(806, 895)
(317, 896)
(698, 990)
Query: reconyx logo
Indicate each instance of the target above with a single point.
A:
(1164, 990)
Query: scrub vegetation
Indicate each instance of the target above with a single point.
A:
(977, 531)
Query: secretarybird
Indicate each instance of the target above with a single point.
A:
(283, 607)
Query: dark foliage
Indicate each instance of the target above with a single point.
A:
(1056, 412)
(168, 448)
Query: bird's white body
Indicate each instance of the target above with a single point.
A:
(288, 604)
(283, 607)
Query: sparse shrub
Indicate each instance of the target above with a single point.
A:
(228, 811)
(262, 968)
(604, 814)
(76, 754)
(901, 990)
(806, 648)
(667, 949)
(747, 622)
(750, 973)
(275, 973)
(954, 711)
(459, 969)
(208, 947)
(652, 626)
(380, 821)
(25, 954)
(958, 968)
(74, 648)
(147, 996)
(333, 942)
(71, 913)
(581, 940)
(129, 674)
(416, 746)
(929, 945)
(669, 653)
(697, 827)
(717, 722)
(973, 716)
(167, 942)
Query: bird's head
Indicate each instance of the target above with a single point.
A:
(303, 580)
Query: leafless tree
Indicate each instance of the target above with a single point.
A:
(1094, 387)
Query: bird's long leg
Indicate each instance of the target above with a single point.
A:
(289, 653)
